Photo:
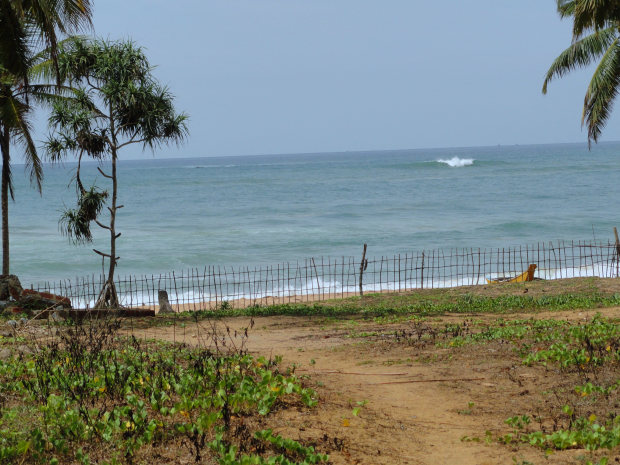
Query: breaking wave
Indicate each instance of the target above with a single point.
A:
(456, 162)
(319, 286)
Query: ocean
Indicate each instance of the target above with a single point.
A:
(268, 209)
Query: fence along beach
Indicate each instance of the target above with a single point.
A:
(319, 279)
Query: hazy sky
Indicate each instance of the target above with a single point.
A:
(287, 76)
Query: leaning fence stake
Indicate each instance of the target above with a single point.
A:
(617, 249)
(363, 266)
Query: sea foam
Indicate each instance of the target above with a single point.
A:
(456, 162)
(298, 289)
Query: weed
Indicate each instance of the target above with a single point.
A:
(94, 397)
(468, 410)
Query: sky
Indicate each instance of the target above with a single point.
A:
(302, 76)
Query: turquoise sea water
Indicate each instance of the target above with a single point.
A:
(253, 210)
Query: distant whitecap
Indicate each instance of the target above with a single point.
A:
(456, 162)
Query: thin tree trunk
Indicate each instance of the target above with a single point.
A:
(108, 297)
(6, 179)
(113, 236)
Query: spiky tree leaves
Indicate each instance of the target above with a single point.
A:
(75, 224)
(117, 103)
(596, 34)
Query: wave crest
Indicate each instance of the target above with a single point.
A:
(456, 162)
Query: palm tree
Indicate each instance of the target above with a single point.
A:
(24, 25)
(596, 36)
(27, 23)
(15, 112)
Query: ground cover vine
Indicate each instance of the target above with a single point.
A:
(89, 396)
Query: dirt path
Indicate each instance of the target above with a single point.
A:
(419, 407)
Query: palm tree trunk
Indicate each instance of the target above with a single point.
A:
(6, 179)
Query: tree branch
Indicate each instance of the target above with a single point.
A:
(103, 174)
(107, 255)
(131, 141)
(91, 84)
(101, 225)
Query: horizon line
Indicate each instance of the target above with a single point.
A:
(276, 154)
(342, 151)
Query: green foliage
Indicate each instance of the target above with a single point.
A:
(600, 20)
(584, 434)
(117, 102)
(388, 308)
(583, 348)
(592, 389)
(25, 24)
(106, 403)
(290, 449)
(75, 224)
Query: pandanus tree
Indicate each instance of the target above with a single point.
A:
(117, 103)
(596, 37)
(26, 25)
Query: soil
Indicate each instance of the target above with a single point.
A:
(418, 404)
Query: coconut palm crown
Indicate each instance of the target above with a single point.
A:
(33, 24)
(596, 37)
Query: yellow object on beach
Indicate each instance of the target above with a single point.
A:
(523, 277)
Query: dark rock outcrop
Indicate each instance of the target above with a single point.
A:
(10, 287)
(14, 299)
(34, 300)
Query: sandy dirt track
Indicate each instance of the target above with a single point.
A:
(424, 405)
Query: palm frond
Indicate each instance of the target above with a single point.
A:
(14, 48)
(43, 69)
(594, 15)
(601, 93)
(31, 158)
(52, 18)
(580, 53)
(566, 8)
(22, 134)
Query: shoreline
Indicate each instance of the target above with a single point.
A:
(266, 301)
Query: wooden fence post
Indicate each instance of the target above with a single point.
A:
(422, 272)
(617, 249)
(363, 266)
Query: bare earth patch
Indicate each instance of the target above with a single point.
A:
(387, 400)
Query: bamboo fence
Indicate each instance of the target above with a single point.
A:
(317, 279)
